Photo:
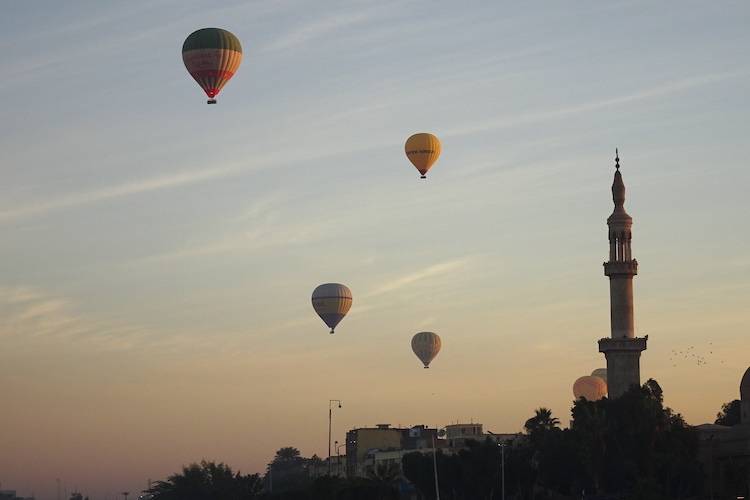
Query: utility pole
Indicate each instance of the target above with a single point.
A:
(434, 466)
(502, 470)
(330, 417)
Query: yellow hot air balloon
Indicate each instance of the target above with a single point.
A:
(426, 345)
(601, 373)
(423, 150)
(590, 387)
(332, 301)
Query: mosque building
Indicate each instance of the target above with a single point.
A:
(725, 451)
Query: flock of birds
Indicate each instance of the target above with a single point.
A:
(691, 356)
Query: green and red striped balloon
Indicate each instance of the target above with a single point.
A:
(212, 56)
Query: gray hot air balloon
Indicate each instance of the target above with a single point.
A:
(426, 345)
(601, 373)
(332, 301)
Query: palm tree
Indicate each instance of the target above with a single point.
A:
(541, 421)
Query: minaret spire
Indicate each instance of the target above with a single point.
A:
(623, 348)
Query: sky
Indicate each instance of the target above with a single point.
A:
(158, 254)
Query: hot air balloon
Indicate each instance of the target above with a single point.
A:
(601, 373)
(212, 56)
(590, 387)
(426, 345)
(332, 301)
(423, 151)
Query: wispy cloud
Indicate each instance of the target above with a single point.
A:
(665, 89)
(423, 274)
(315, 29)
(195, 176)
(265, 232)
(118, 191)
(30, 313)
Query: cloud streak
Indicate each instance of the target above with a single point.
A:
(438, 269)
(314, 30)
(196, 176)
(30, 314)
(665, 89)
(122, 190)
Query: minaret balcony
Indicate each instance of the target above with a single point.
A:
(636, 344)
(621, 268)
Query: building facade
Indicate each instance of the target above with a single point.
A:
(725, 452)
(622, 349)
(369, 447)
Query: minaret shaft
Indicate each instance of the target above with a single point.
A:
(621, 307)
(623, 349)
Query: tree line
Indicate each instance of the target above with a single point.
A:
(632, 447)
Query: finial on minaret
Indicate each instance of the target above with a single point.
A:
(618, 187)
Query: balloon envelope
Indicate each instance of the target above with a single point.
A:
(601, 373)
(212, 56)
(426, 345)
(423, 150)
(590, 387)
(332, 301)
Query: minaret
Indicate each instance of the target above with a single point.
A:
(623, 348)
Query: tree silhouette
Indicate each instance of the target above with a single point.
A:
(542, 421)
(730, 413)
(287, 454)
(631, 448)
(208, 481)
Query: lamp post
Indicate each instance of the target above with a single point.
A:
(434, 467)
(330, 417)
(502, 470)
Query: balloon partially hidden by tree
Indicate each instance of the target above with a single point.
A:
(590, 387)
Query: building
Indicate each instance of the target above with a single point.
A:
(368, 447)
(11, 495)
(725, 452)
(320, 468)
(457, 435)
(622, 349)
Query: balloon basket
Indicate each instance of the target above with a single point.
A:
(331, 332)
(423, 177)
(211, 101)
(426, 367)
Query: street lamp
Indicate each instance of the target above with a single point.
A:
(502, 470)
(330, 416)
(434, 465)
